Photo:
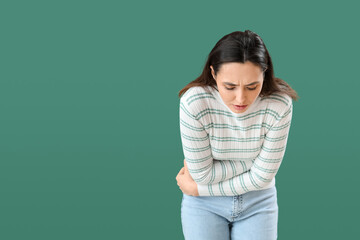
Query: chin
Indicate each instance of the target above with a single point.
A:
(240, 111)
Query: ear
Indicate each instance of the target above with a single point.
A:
(212, 71)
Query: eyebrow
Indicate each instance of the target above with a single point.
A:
(232, 84)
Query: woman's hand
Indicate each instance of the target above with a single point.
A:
(185, 182)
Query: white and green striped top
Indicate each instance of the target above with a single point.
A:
(229, 153)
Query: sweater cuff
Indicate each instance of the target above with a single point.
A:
(203, 190)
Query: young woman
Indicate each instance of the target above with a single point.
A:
(234, 123)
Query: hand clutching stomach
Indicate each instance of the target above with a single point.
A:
(185, 182)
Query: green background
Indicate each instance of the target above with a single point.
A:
(90, 144)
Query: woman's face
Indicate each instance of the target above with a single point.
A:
(239, 84)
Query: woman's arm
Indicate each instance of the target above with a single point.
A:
(265, 165)
(202, 167)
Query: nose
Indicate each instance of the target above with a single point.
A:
(240, 97)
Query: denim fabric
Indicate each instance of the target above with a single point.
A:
(249, 216)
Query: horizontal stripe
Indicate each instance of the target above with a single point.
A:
(188, 99)
(233, 127)
(251, 127)
(230, 150)
(249, 139)
(271, 150)
(234, 139)
(199, 160)
(269, 160)
(182, 107)
(185, 124)
(201, 179)
(234, 159)
(261, 178)
(264, 169)
(189, 149)
(274, 128)
(238, 118)
(276, 139)
(191, 138)
(200, 98)
(282, 97)
(199, 169)
(230, 139)
(275, 98)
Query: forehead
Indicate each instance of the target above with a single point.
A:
(244, 73)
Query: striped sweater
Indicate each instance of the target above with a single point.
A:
(229, 153)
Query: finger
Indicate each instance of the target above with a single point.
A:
(186, 168)
(187, 173)
(181, 172)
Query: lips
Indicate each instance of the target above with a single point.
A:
(240, 107)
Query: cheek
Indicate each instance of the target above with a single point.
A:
(257, 90)
(227, 97)
(252, 95)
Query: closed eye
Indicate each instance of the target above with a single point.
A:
(247, 88)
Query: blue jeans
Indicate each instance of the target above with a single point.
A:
(249, 216)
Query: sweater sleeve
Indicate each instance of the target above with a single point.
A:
(203, 168)
(265, 166)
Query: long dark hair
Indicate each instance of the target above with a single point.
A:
(241, 47)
